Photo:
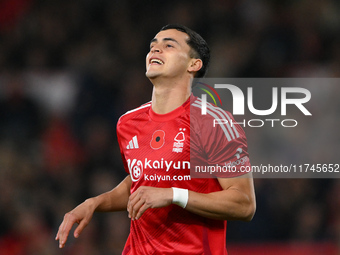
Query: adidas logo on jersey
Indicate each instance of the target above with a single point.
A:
(133, 144)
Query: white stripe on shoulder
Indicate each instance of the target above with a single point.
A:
(223, 115)
(215, 116)
(214, 111)
(138, 108)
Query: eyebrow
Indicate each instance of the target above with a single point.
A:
(165, 39)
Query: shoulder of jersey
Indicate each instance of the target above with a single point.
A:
(132, 113)
(213, 111)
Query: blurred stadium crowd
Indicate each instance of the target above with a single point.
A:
(69, 69)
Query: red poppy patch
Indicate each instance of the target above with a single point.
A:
(158, 139)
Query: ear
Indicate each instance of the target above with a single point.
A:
(195, 65)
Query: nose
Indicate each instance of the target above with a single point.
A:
(155, 49)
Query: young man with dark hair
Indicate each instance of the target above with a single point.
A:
(198, 47)
(171, 212)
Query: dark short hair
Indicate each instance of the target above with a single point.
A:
(199, 47)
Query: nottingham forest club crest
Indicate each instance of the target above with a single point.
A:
(179, 141)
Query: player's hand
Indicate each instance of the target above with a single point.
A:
(82, 215)
(148, 197)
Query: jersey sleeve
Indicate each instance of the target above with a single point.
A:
(220, 147)
(119, 138)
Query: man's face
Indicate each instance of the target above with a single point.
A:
(169, 54)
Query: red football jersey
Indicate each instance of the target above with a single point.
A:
(156, 152)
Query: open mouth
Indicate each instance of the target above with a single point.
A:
(156, 61)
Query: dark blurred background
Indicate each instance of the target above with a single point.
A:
(69, 69)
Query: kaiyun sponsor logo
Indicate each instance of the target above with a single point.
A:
(137, 167)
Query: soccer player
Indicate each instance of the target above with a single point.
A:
(172, 213)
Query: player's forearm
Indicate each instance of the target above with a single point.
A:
(228, 204)
(114, 200)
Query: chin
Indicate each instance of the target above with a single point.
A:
(152, 75)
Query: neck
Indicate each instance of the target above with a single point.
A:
(168, 96)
